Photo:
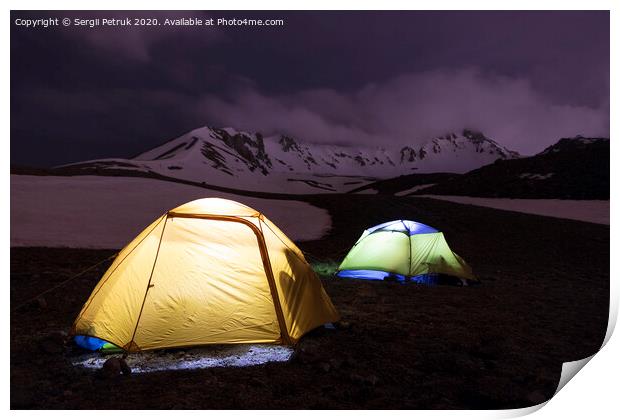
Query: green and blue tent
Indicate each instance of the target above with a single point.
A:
(403, 250)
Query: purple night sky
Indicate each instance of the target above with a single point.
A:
(523, 78)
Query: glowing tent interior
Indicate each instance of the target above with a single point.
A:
(211, 271)
(403, 250)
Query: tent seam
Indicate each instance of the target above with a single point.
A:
(148, 286)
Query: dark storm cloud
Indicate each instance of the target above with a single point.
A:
(524, 78)
(412, 108)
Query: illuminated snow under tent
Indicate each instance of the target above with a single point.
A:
(211, 271)
(403, 250)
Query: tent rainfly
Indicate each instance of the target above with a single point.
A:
(210, 271)
(404, 251)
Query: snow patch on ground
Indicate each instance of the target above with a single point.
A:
(528, 175)
(412, 189)
(240, 355)
(368, 191)
(593, 211)
(108, 212)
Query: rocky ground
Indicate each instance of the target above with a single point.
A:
(543, 300)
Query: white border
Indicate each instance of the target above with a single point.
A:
(592, 394)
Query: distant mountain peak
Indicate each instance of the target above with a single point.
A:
(468, 138)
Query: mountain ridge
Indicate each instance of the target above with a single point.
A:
(227, 157)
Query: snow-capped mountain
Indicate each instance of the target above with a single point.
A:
(229, 158)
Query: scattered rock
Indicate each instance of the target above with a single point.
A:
(354, 377)
(125, 367)
(324, 366)
(306, 358)
(111, 368)
(41, 302)
(366, 291)
(327, 389)
(349, 362)
(371, 380)
(536, 397)
(336, 363)
(50, 348)
(256, 382)
(58, 336)
(54, 343)
(307, 353)
(343, 325)
(40, 361)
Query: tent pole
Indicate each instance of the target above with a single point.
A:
(262, 246)
(148, 286)
(272, 285)
(409, 236)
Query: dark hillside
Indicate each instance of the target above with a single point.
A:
(573, 168)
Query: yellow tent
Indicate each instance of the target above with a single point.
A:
(209, 271)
